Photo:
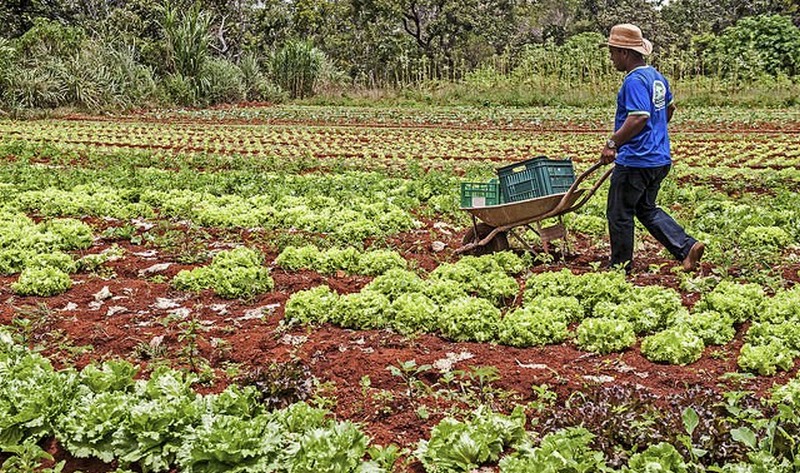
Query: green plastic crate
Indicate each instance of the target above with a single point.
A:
(536, 177)
(480, 194)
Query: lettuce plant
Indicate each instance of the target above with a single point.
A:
(590, 288)
(227, 443)
(470, 319)
(159, 413)
(444, 291)
(374, 263)
(67, 233)
(45, 282)
(457, 446)
(532, 327)
(362, 310)
(311, 306)
(482, 276)
(566, 306)
(335, 449)
(396, 282)
(32, 394)
(295, 258)
(568, 450)
(658, 457)
(770, 238)
(766, 359)
(605, 335)
(57, 260)
(785, 333)
(676, 346)
(88, 429)
(414, 312)
(788, 394)
(740, 302)
(712, 327)
(232, 274)
(647, 308)
(784, 306)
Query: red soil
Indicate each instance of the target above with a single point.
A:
(339, 356)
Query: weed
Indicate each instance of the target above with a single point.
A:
(30, 323)
(190, 336)
(185, 244)
(282, 383)
(409, 372)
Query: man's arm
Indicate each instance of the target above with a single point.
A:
(632, 126)
(670, 111)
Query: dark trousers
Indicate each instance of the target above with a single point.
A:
(633, 192)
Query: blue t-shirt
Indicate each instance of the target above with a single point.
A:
(644, 92)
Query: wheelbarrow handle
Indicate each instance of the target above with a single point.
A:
(563, 205)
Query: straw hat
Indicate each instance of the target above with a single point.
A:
(627, 36)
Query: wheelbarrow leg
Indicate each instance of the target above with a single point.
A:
(551, 233)
(483, 239)
(521, 240)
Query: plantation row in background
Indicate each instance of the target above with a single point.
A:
(113, 56)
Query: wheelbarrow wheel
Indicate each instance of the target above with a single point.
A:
(481, 231)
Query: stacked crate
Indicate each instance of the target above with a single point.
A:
(529, 179)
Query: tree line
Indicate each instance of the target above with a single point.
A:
(112, 53)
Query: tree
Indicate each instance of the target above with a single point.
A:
(450, 32)
(764, 44)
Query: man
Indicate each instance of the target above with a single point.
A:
(641, 150)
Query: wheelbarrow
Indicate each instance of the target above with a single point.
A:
(498, 221)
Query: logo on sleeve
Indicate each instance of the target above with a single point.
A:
(659, 95)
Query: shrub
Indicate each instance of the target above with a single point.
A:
(764, 44)
(223, 82)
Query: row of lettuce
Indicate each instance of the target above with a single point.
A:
(106, 411)
(464, 301)
(745, 229)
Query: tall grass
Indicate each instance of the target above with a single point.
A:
(296, 68)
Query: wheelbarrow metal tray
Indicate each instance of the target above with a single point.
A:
(523, 211)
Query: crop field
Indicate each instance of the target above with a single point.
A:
(276, 289)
